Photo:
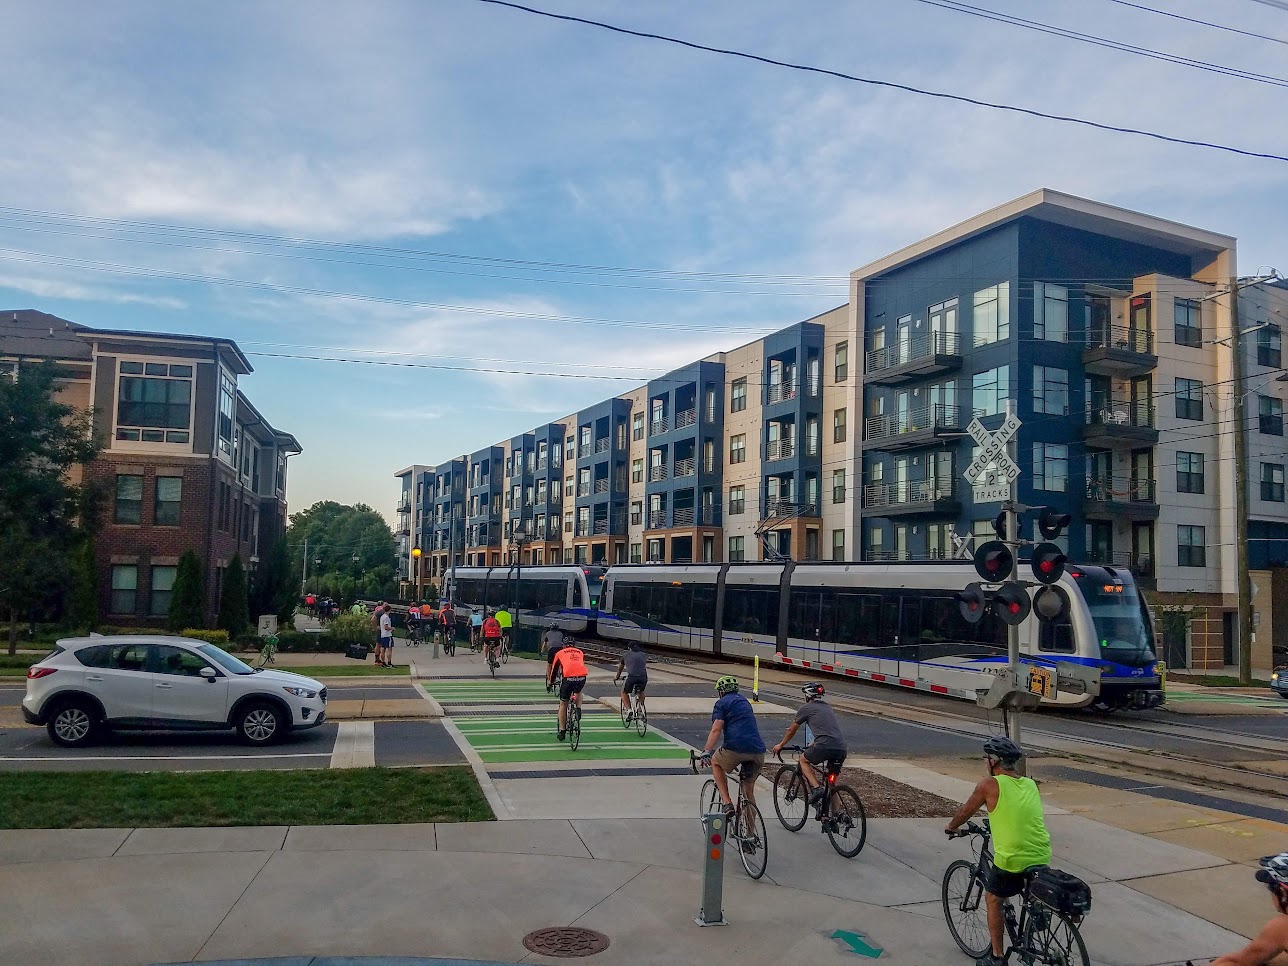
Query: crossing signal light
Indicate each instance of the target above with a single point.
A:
(1050, 604)
(994, 561)
(1012, 604)
(999, 525)
(1048, 563)
(972, 603)
(1051, 522)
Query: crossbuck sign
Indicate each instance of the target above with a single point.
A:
(994, 464)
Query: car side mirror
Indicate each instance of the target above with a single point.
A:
(209, 674)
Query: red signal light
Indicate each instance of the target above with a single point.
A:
(715, 838)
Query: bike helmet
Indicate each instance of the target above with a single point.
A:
(812, 691)
(635, 645)
(728, 684)
(1274, 871)
(1004, 750)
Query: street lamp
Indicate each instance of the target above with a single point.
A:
(415, 556)
(518, 540)
(317, 572)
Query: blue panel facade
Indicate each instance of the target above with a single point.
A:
(483, 508)
(792, 422)
(684, 415)
(602, 444)
(449, 506)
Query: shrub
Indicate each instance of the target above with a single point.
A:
(210, 637)
(297, 642)
(188, 597)
(234, 608)
(352, 629)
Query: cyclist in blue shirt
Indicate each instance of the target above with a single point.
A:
(734, 721)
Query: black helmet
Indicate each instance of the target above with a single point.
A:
(812, 691)
(635, 645)
(1004, 750)
(1274, 871)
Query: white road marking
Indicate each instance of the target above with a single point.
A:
(355, 745)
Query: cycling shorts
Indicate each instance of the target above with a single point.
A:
(821, 749)
(632, 684)
(751, 762)
(571, 686)
(1004, 884)
(550, 655)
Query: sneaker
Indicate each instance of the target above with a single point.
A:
(561, 735)
(816, 796)
(630, 716)
(988, 959)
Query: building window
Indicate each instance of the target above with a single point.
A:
(1272, 482)
(637, 512)
(838, 426)
(227, 406)
(637, 471)
(1189, 472)
(838, 486)
(736, 552)
(1189, 399)
(738, 395)
(991, 319)
(129, 499)
(162, 585)
(637, 426)
(1270, 347)
(1051, 467)
(568, 522)
(838, 544)
(876, 544)
(1050, 390)
(991, 390)
(1189, 331)
(842, 368)
(737, 499)
(169, 495)
(1270, 415)
(738, 448)
(125, 588)
(1191, 547)
(637, 553)
(154, 403)
(1050, 312)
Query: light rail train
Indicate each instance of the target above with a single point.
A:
(568, 596)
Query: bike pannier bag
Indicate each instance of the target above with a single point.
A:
(357, 651)
(1061, 891)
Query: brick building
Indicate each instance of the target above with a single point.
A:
(188, 463)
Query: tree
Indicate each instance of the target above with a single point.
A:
(188, 597)
(42, 511)
(272, 590)
(335, 535)
(234, 606)
(81, 610)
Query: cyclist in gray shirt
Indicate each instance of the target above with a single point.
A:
(828, 743)
(635, 665)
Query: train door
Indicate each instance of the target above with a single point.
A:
(888, 660)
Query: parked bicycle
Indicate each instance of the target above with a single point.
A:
(840, 812)
(746, 829)
(634, 713)
(1052, 906)
(268, 651)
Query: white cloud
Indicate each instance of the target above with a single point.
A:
(60, 289)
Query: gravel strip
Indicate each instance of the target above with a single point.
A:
(885, 798)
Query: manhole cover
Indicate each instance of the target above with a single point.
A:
(566, 942)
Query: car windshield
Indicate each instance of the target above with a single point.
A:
(224, 659)
(1118, 613)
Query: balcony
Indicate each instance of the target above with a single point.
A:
(783, 509)
(683, 516)
(811, 447)
(922, 427)
(599, 527)
(601, 486)
(657, 520)
(780, 392)
(1120, 423)
(583, 489)
(686, 467)
(708, 464)
(687, 418)
(602, 445)
(1140, 565)
(1121, 499)
(780, 449)
(1119, 350)
(658, 426)
(656, 473)
(543, 464)
(918, 358)
(911, 498)
(404, 506)
(584, 450)
(812, 385)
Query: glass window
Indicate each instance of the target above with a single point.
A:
(1188, 328)
(125, 588)
(179, 660)
(738, 395)
(1270, 347)
(1051, 467)
(838, 544)
(838, 426)
(992, 315)
(737, 499)
(169, 495)
(1270, 415)
(637, 426)
(129, 499)
(990, 391)
(1189, 472)
(154, 409)
(1050, 312)
(738, 448)
(736, 552)
(1189, 399)
(227, 396)
(1050, 390)
(838, 486)
(1191, 547)
(1272, 482)
(637, 470)
(162, 585)
(842, 368)
(876, 544)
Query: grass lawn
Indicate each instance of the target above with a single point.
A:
(342, 670)
(16, 666)
(1212, 680)
(347, 796)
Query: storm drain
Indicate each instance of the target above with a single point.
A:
(566, 942)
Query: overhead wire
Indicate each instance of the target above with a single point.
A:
(1205, 23)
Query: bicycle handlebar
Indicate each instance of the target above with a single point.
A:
(796, 748)
(694, 758)
(970, 828)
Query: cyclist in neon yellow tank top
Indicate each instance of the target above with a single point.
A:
(1020, 838)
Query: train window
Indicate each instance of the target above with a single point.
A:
(889, 621)
(910, 620)
(1056, 636)
(803, 621)
(495, 594)
(704, 605)
(630, 598)
(751, 610)
(576, 594)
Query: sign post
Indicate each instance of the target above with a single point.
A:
(713, 845)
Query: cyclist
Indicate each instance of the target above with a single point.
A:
(634, 664)
(447, 622)
(491, 637)
(571, 663)
(476, 627)
(551, 642)
(734, 721)
(1273, 939)
(1020, 838)
(413, 624)
(829, 743)
(503, 618)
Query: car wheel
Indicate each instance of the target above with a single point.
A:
(261, 723)
(73, 724)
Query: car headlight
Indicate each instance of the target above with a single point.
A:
(301, 692)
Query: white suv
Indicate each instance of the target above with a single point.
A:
(165, 683)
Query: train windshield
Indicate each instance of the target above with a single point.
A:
(1120, 619)
(595, 585)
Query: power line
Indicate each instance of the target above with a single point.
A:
(942, 95)
(1152, 54)
(1205, 23)
(1279, 4)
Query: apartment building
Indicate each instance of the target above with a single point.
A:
(188, 463)
(843, 436)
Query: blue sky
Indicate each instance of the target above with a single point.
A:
(501, 139)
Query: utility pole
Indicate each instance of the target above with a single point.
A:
(1013, 630)
(304, 570)
(1241, 494)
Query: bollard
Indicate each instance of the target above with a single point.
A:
(755, 680)
(713, 844)
(435, 646)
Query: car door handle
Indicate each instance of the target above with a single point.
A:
(165, 685)
(93, 677)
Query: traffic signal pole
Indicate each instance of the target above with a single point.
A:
(1013, 630)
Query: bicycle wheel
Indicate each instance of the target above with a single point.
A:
(574, 724)
(846, 822)
(505, 654)
(641, 720)
(709, 799)
(751, 839)
(791, 800)
(1054, 940)
(963, 898)
(626, 715)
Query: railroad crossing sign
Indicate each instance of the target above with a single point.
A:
(994, 464)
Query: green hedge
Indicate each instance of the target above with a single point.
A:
(297, 642)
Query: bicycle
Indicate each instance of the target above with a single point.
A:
(746, 825)
(1042, 933)
(449, 641)
(268, 651)
(634, 713)
(490, 650)
(476, 634)
(840, 813)
(574, 721)
(414, 633)
(505, 649)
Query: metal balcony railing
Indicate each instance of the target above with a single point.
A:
(404, 506)
(811, 446)
(682, 516)
(602, 445)
(686, 467)
(1124, 337)
(658, 426)
(780, 449)
(708, 464)
(584, 449)
(907, 493)
(656, 473)
(936, 417)
(583, 489)
(601, 486)
(919, 347)
(1111, 412)
(543, 463)
(686, 418)
(1130, 491)
(600, 527)
(780, 391)
(657, 520)
(812, 385)
(775, 509)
